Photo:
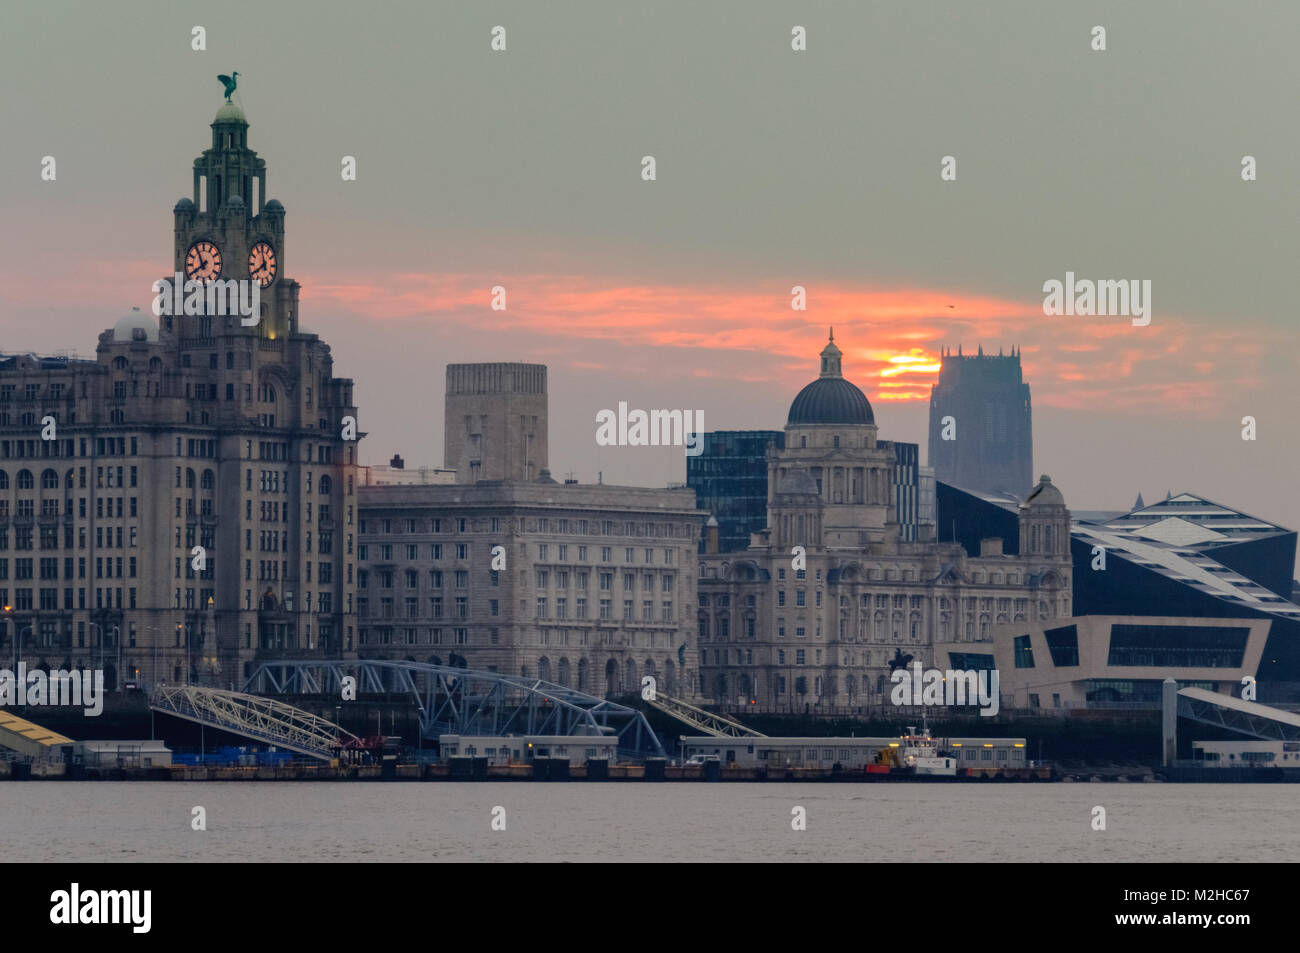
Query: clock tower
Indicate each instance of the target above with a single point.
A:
(230, 230)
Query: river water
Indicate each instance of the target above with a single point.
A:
(640, 821)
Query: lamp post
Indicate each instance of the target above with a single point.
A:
(117, 674)
(17, 639)
(153, 672)
(9, 622)
(211, 661)
(96, 625)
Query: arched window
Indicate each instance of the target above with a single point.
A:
(4, 479)
(49, 480)
(25, 480)
(119, 363)
(208, 481)
(325, 485)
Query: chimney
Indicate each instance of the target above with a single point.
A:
(711, 535)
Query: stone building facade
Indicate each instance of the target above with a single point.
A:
(817, 635)
(495, 421)
(597, 589)
(193, 507)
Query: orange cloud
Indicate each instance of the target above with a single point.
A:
(891, 337)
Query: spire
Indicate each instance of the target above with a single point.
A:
(1139, 504)
(831, 358)
(1168, 495)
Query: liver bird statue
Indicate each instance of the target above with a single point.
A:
(229, 82)
(899, 661)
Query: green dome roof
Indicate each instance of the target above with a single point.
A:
(230, 112)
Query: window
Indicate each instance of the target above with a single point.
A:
(1024, 652)
(1063, 645)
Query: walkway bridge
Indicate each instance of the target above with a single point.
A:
(261, 719)
(705, 722)
(461, 701)
(1237, 714)
(28, 738)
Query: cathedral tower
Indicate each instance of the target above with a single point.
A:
(987, 446)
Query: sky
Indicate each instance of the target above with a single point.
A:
(523, 168)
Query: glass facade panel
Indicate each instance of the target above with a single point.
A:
(1063, 644)
(1177, 646)
(1024, 652)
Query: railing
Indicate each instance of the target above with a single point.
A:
(709, 722)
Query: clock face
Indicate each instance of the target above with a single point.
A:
(261, 264)
(203, 262)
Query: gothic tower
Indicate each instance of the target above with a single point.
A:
(230, 230)
(987, 445)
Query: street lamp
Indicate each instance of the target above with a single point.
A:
(153, 673)
(96, 625)
(117, 675)
(18, 638)
(181, 631)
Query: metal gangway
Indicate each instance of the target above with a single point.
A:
(454, 700)
(1237, 714)
(252, 716)
(705, 721)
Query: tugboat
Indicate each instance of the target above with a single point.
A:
(921, 754)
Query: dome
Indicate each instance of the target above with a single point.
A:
(1045, 494)
(184, 205)
(136, 321)
(230, 112)
(273, 206)
(235, 201)
(831, 399)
